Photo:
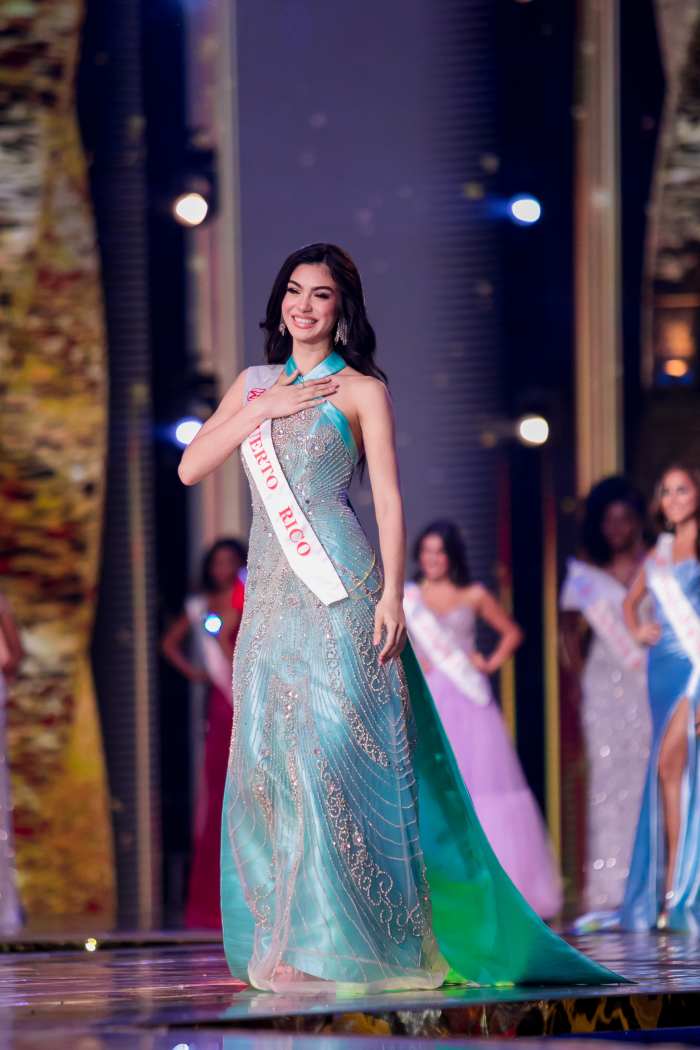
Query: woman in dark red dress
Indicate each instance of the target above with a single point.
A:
(211, 618)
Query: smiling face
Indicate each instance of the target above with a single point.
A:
(311, 305)
(621, 528)
(679, 497)
(433, 561)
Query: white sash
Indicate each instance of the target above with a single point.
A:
(445, 651)
(297, 539)
(585, 588)
(214, 658)
(677, 609)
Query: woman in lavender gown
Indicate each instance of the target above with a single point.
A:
(442, 607)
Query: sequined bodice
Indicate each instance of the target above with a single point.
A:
(314, 457)
(461, 622)
(319, 467)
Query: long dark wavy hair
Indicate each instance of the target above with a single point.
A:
(657, 514)
(237, 548)
(361, 342)
(455, 549)
(615, 489)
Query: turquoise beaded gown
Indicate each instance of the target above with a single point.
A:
(326, 875)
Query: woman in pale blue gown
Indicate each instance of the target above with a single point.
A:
(663, 888)
(325, 879)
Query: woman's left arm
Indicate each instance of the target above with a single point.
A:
(495, 616)
(377, 422)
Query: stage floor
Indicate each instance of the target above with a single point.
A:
(178, 994)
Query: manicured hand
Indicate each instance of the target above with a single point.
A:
(647, 633)
(286, 399)
(390, 622)
(481, 663)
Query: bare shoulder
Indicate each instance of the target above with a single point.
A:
(474, 595)
(367, 392)
(360, 380)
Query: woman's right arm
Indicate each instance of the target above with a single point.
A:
(171, 648)
(222, 433)
(233, 421)
(572, 635)
(643, 633)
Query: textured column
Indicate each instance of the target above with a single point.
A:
(597, 260)
(52, 453)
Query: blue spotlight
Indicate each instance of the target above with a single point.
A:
(186, 430)
(524, 209)
(213, 623)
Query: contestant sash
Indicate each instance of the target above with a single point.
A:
(678, 610)
(587, 586)
(446, 652)
(217, 666)
(297, 539)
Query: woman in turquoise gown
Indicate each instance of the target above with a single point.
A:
(663, 887)
(336, 744)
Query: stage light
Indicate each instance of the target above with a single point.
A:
(91, 945)
(186, 430)
(676, 368)
(191, 208)
(213, 623)
(524, 209)
(532, 430)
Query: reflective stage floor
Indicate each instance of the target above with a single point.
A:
(178, 994)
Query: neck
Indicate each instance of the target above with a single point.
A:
(308, 356)
(223, 591)
(436, 581)
(687, 531)
(633, 552)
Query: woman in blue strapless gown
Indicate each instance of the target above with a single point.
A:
(663, 888)
(336, 745)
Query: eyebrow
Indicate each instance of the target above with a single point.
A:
(318, 288)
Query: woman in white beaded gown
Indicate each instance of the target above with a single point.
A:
(609, 667)
(10, 657)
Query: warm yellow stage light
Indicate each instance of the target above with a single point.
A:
(190, 209)
(676, 367)
(533, 430)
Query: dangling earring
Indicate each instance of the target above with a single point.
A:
(282, 328)
(341, 334)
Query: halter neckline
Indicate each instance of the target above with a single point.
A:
(329, 366)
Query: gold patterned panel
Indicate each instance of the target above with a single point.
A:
(597, 244)
(52, 452)
(671, 307)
